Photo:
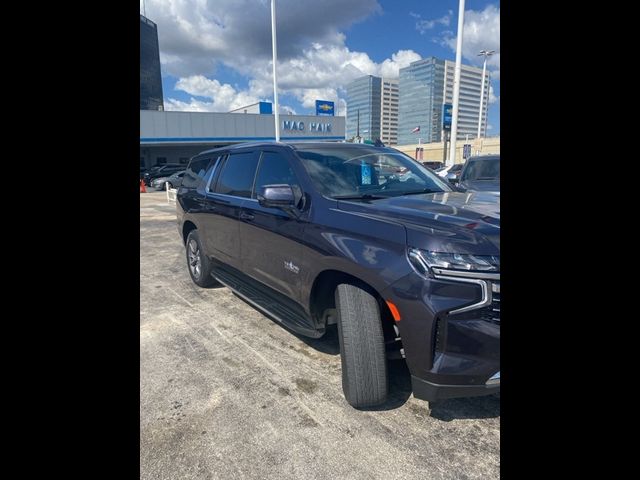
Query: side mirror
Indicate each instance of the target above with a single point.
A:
(276, 196)
(452, 178)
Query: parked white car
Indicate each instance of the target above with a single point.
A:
(454, 169)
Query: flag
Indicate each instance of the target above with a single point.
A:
(416, 130)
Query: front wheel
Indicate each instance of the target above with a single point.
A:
(199, 265)
(362, 350)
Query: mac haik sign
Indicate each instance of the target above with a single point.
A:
(300, 126)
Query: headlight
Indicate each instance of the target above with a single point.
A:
(423, 260)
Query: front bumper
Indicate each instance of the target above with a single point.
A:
(450, 332)
(433, 392)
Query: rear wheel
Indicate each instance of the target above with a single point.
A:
(199, 265)
(362, 350)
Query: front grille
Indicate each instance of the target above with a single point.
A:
(492, 312)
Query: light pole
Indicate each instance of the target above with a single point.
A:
(275, 60)
(485, 53)
(456, 86)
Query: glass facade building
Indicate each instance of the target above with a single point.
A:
(421, 90)
(151, 97)
(364, 97)
(425, 86)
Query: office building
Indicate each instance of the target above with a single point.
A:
(389, 111)
(424, 87)
(364, 107)
(375, 101)
(151, 97)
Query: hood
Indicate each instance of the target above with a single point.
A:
(444, 222)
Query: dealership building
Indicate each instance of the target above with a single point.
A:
(174, 137)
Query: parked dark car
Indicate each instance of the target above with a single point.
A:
(433, 165)
(481, 173)
(162, 171)
(174, 181)
(312, 235)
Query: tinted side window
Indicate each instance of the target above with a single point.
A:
(195, 172)
(274, 169)
(237, 175)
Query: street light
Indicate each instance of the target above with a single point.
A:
(456, 85)
(274, 48)
(485, 53)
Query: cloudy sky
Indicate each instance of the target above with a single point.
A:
(216, 54)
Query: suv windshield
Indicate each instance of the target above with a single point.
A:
(482, 169)
(363, 173)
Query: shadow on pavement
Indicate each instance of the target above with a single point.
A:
(400, 388)
(328, 343)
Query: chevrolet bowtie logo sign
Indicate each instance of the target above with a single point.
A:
(324, 107)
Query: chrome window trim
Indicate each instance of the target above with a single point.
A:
(216, 194)
(218, 161)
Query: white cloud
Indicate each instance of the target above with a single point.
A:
(481, 32)
(286, 110)
(224, 97)
(423, 25)
(171, 104)
(400, 59)
(200, 36)
(196, 35)
(492, 96)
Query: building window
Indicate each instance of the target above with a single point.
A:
(161, 160)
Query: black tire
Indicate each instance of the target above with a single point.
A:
(362, 351)
(201, 276)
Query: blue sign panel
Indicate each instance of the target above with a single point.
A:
(324, 108)
(265, 108)
(447, 114)
(466, 151)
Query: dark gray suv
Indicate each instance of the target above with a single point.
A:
(361, 237)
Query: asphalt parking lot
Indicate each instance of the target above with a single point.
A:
(225, 392)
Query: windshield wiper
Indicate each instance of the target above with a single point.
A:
(364, 196)
(417, 192)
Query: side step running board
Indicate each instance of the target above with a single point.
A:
(259, 297)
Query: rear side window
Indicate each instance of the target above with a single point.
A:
(482, 169)
(238, 172)
(195, 172)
